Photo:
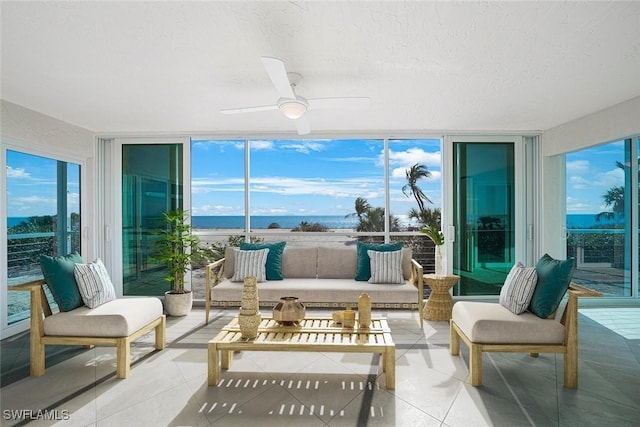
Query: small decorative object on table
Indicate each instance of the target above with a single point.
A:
(337, 317)
(249, 317)
(364, 311)
(348, 318)
(289, 311)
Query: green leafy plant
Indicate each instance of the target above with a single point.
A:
(434, 234)
(177, 248)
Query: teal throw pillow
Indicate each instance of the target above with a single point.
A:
(58, 273)
(554, 277)
(363, 267)
(274, 257)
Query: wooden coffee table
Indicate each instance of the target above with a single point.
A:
(312, 335)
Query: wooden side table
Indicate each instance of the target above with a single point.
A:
(440, 304)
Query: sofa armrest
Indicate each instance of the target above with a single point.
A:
(213, 276)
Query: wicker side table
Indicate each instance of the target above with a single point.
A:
(440, 303)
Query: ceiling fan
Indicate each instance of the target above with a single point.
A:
(294, 106)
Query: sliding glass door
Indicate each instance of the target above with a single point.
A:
(487, 214)
(152, 179)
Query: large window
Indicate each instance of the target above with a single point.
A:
(314, 191)
(602, 208)
(43, 218)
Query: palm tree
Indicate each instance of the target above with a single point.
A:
(426, 217)
(414, 174)
(373, 221)
(614, 199)
(362, 207)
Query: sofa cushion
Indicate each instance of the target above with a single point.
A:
(386, 267)
(94, 283)
(518, 288)
(336, 262)
(250, 263)
(58, 273)
(274, 258)
(554, 277)
(118, 318)
(363, 267)
(491, 323)
(339, 291)
(300, 262)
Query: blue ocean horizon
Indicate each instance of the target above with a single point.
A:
(329, 221)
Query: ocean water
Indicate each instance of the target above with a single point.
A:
(330, 221)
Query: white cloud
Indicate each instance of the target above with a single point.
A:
(415, 155)
(19, 173)
(304, 147)
(599, 180)
(578, 167)
(401, 173)
(260, 144)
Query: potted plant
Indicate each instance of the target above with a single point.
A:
(178, 249)
(437, 237)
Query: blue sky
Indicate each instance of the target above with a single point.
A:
(306, 177)
(31, 185)
(590, 174)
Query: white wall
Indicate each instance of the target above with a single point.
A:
(611, 124)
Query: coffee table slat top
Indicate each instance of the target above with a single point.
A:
(318, 331)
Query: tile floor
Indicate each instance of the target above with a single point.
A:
(169, 388)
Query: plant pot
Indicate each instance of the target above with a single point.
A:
(178, 304)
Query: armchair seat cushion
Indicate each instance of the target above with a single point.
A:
(118, 318)
(490, 323)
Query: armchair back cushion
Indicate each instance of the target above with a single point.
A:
(554, 278)
(58, 273)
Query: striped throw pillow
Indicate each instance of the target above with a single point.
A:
(518, 288)
(386, 267)
(94, 283)
(250, 263)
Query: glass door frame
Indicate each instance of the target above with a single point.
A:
(525, 218)
(112, 196)
(7, 330)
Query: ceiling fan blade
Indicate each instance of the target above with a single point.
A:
(302, 125)
(354, 103)
(249, 109)
(278, 74)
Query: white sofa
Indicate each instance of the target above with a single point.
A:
(318, 276)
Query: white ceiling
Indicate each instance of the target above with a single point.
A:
(427, 66)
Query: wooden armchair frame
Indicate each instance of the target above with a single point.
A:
(40, 309)
(569, 346)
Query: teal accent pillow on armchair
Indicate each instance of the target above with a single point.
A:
(363, 267)
(274, 257)
(554, 277)
(58, 273)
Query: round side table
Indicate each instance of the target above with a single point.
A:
(440, 303)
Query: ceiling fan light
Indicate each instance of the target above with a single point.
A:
(292, 109)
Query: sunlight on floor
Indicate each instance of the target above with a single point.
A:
(622, 321)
